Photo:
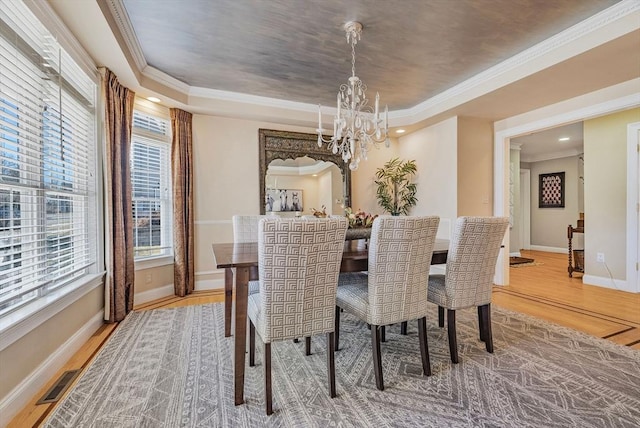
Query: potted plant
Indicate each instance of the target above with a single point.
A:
(396, 193)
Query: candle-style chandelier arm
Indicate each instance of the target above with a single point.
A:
(357, 125)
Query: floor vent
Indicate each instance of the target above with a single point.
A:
(55, 392)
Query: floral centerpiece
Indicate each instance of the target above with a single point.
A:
(359, 219)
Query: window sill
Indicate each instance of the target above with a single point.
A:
(153, 262)
(19, 323)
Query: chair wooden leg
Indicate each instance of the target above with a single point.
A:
(481, 326)
(252, 344)
(337, 328)
(228, 300)
(486, 321)
(331, 364)
(440, 316)
(383, 335)
(403, 328)
(451, 330)
(424, 346)
(267, 378)
(307, 345)
(377, 358)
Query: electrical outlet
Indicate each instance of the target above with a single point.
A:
(600, 257)
(148, 278)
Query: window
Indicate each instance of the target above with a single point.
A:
(151, 186)
(47, 158)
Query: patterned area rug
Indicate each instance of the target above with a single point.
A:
(173, 368)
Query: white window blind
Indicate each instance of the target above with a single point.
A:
(47, 155)
(151, 186)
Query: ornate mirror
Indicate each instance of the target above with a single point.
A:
(297, 175)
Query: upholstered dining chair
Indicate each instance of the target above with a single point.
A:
(394, 289)
(468, 279)
(245, 229)
(298, 263)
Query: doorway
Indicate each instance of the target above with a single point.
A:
(558, 115)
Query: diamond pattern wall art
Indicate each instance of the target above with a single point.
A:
(551, 190)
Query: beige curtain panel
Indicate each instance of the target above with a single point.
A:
(182, 170)
(118, 102)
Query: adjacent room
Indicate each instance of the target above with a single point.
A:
(340, 213)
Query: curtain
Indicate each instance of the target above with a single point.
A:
(182, 171)
(118, 102)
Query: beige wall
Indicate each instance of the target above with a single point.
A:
(435, 150)
(475, 167)
(363, 188)
(549, 225)
(21, 358)
(605, 197)
(153, 278)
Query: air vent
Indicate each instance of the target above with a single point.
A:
(57, 390)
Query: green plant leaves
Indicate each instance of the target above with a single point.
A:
(395, 191)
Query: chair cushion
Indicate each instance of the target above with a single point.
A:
(353, 296)
(254, 287)
(436, 292)
(255, 314)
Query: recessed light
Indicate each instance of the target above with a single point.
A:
(154, 99)
(564, 139)
(314, 175)
(400, 131)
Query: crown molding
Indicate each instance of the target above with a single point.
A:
(119, 14)
(607, 25)
(299, 170)
(164, 79)
(218, 95)
(481, 82)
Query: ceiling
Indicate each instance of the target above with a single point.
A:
(544, 145)
(410, 51)
(275, 61)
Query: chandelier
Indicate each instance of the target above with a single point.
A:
(357, 125)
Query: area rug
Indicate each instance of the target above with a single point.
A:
(519, 265)
(514, 260)
(173, 368)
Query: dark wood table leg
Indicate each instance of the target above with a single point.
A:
(228, 300)
(242, 280)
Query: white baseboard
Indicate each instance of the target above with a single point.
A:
(601, 281)
(20, 396)
(549, 249)
(516, 254)
(153, 294)
(209, 284)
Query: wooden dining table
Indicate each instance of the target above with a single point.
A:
(243, 257)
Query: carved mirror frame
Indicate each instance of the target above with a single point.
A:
(292, 145)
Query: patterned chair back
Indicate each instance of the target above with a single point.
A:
(471, 261)
(298, 264)
(400, 253)
(245, 228)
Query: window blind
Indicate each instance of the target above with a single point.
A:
(151, 186)
(47, 155)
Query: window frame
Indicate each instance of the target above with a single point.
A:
(164, 141)
(19, 321)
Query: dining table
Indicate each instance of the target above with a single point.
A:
(243, 258)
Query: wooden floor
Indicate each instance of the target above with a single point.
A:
(542, 290)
